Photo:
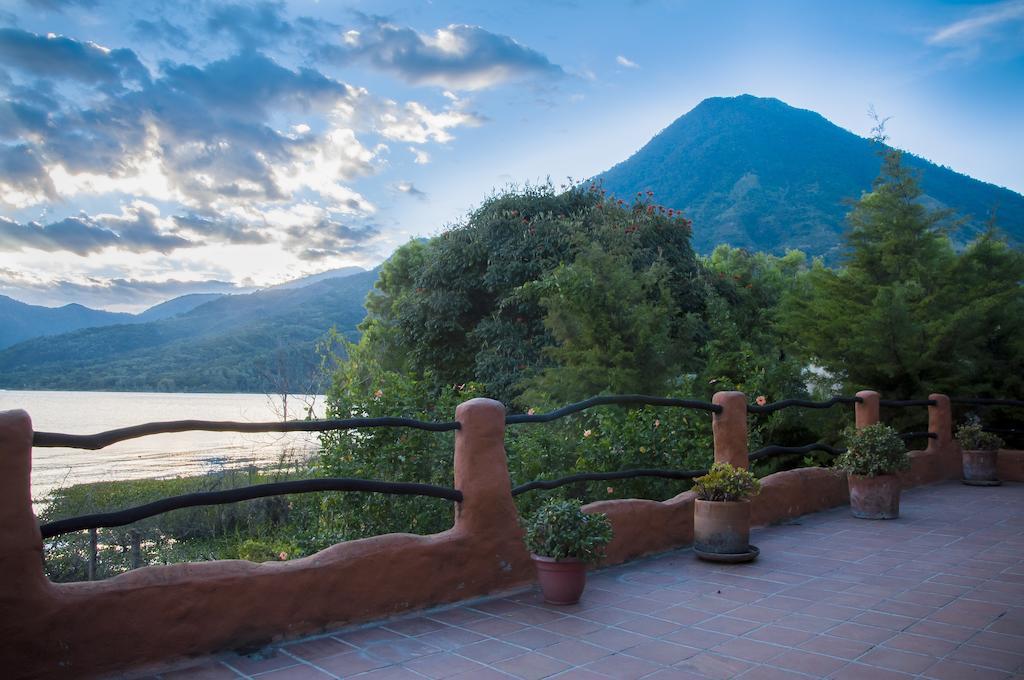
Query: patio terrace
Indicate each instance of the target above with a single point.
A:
(938, 593)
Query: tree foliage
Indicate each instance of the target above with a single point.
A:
(502, 298)
(907, 315)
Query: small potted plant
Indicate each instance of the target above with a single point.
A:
(562, 540)
(980, 454)
(721, 514)
(874, 454)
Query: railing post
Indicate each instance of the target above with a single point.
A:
(481, 471)
(730, 429)
(866, 410)
(23, 586)
(940, 421)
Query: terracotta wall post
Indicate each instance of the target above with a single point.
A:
(867, 410)
(23, 586)
(481, 471)
(730, 429)
(940, 421)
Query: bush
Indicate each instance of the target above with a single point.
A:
(971, 438)
(257, 530)
(561, 530)
(390, 454)
(873, 450)
(723, 482)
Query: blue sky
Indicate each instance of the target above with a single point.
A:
(148, 151)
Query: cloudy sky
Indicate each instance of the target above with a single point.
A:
(150, 149)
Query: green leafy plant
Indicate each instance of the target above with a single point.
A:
(723, 482)
(971, 437)
(560, 529)
(873, 450)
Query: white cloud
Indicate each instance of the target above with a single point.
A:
(416, 123)
(623, 61)
(457, 56)
(985, 22)
(420, 157)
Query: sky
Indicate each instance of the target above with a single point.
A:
(153, 149)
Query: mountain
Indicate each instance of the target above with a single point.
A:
(259, 342)
(175, 306)
(759, 174)
(20, 321)
(313, 278)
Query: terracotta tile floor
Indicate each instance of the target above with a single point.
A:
(938, 593)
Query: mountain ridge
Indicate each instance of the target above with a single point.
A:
(757, 173)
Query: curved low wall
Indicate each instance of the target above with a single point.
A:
(158, 614)
(1010, 465)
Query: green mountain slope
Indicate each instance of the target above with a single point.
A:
(759, 174)
(175, 306)
(261, 342)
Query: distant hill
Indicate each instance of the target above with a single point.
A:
(313, 278)
(260, 342)
(20, 321)
(759, 174)
(175, 306)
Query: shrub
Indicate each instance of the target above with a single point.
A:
(971, 437)
(561, 530)
(873, 450)
(723, 482)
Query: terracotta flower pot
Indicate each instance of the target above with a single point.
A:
(875, 497)
(561, 581)
(980, 465)
(721, 526)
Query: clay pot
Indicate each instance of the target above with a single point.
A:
(979, 465)
(875, 497)
(721, 526)
(561, 581)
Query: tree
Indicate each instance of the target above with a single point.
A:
(461, 308)
(906, 315)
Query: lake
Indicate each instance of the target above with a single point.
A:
(161, 455)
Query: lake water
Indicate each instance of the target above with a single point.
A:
(161, 455)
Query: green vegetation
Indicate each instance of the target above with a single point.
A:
(971, 437)
(873, 450)
(723, 482)
(541, 298)
(560, 529)
(274, 528)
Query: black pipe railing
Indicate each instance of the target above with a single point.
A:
(773, 450)
(618, 399)
(104, 439)
(979, 401)
(1003, 430)
(129, 515)
(605, 476)
(760, 454)
(244, 493)
(802, 403)
(916, 435)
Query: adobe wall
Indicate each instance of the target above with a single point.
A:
(162, 613)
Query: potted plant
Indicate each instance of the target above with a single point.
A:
(562, 540)
(980, 454)
(874, 454)
(721, 514)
